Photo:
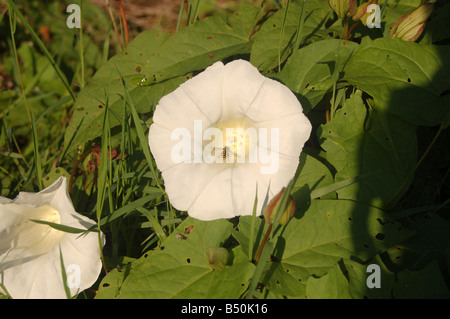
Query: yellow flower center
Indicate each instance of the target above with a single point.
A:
(236, 142)
(35, 237)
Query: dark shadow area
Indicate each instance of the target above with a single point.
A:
(419, 266)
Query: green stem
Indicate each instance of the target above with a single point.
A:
(298, 36)
(180, 15)
(12, 24)
(345, 31)
(81, 45)
(5, 291)
(282, 34)
(349, 32)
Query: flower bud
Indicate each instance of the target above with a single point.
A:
(217, 257)
(343, 7)
(410, 26)
(271, 209)
(361, 12)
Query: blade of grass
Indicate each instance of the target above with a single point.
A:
(283, 25)
(63, 228)
(301, 20)
(130, 207)
(102, 177)
(116, 30)
(42, 47)
(154, 222)
(124, 22)
(12, 24)
(81, 45)
(5, 291)
(140, 132)
(336, 186)
(64, 275)
(105, 53)
(284, 200)
(37, 156)
(252, 229)
(180, 15)
(194, 9)
(265, 255)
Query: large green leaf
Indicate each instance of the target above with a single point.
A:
(377, 147)
(277, 37)
(153, 65)
(308, 72)
(333, 285)
(312, 244)
(180, 267)
(209, 40)
(334, 229)
(106, 88)
(313, 175)
(405, 78)
(358, 275)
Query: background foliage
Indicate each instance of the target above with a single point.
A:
(373, 181)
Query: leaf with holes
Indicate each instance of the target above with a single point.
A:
(308, 72)
(332, 285)
(198, 46)
(358, 275)
(405, 78)
(153, 65)
(106, 88)
(313, 175)
(181, 267)
(377, 147)
(312, 244)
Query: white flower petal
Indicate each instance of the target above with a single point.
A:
(184, 182)
(172, 109)
(246, 178)
(241, 84)
(215, 201)
(163, 145)
(40, 278)
(293, 131)
(287, 166)
(206, 91)
(273, 101)
(190, 99)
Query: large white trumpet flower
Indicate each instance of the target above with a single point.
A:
(30, 252)
(223, 132)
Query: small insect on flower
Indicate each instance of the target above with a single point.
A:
(226, 152)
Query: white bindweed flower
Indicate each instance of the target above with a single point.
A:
(30, 264)
(223, 134)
